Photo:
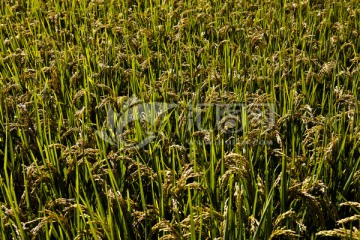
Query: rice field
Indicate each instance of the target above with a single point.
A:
(189, 119)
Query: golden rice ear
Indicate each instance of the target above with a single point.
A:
(279, 230)
(349, 219)
(288, 214)
(355, 217)
(283, 232)
(202, 216)
(351, 204)
(302, 191)
(340, 233)
(181, 183)
(166, 227)
(253, 223)
(79, 94)
(106, 88)
(150, 215)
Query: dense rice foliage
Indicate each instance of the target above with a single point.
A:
(65, 64)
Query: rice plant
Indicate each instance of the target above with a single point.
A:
(181, 119)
